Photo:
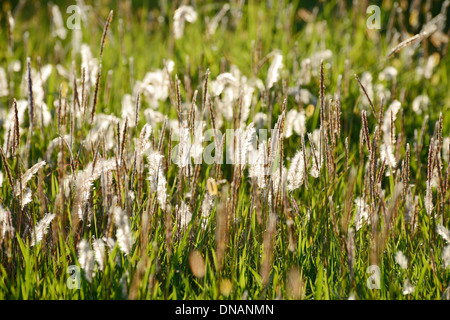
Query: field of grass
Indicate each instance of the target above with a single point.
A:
(334, 181)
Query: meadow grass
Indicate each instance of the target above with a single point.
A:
(359, 169)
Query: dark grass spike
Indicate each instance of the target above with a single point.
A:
(181, 170)
(331, 121)
(438, 160)
(96, 153)
(361, 147)
(72, 123)
(83, 97)
(97, 84)
(192, 112)
(119, 180)
(305, 163)
(122, 148)
(169, 155)
(380, 121)
(151, 209)
(267, 165)
(405, 171)
(430, 167)
(322, 94)
(64, 120)
(60, 160)
(136, 113)
(367, 96)
(213, 118)
(119, 144)
(178, 95)
(72, 167)
(30, 94)
(447, 186)
(439, 137)
(366, 131)
(193, 200)
(75, 87)
(9, 146)
(19, 178)
(16, 126)
(441, 182)
(219, 154)
(338, 117)
(323, 124)
(280, 144)
(373, 165)
(237, 112)
(205, 92)
(313, 149)
(133, 174)
(392, 128)
(105, 32)
(329, 156)
(161, 136)
(8, 171)
(346, 153)
(381, 171)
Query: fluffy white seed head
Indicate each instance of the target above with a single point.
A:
(27, 176)
(99, 252)
(41, 228)
(185, 215)
(5, 223)
(362, 213)
(4, 92)
(401, 260)
(123, 230)
(295, 122)
(408, 288)
(420, 104)
(273, 75)
(296, 171)
(443, 232)
(86, 259)
(446, 256)
(181, 15)
(59, 28)
(157, 177)
(207, 206)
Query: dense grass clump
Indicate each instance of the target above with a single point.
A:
(224, 150)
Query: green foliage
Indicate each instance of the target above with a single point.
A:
(310, 235)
